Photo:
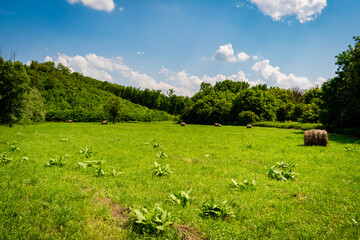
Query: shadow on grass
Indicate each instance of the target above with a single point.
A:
(344, 139)
(299, 133)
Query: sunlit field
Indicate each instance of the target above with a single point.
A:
(91, 181)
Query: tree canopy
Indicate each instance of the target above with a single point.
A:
(341, 95)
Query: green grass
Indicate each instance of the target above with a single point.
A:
(71, 202)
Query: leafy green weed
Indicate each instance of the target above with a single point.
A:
(216, 210)
(182, 198)
(282, 171)
(151, 221)
(160, 170)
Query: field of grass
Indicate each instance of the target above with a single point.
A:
(77, 201)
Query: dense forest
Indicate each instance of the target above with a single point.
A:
(45, 91)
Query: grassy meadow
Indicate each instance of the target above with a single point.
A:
(78, 201)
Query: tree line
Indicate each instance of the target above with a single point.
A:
(44, 91)
(336, 103)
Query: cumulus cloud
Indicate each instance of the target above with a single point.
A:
(225, 53)
(320, 81)
(272, 76)
(106, 69)
(48, 59)
(242, 57)
(101, 5)
(182, 78)
(146, 81)
(86, 65)
(114, 70)
(238, 77)
(304, 10)
(193, 82)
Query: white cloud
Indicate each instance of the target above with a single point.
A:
(214, 79)
(225, 53)
(320, 81)
(121, 9)
(304, 10)
(240, 5)
(193, 82)
(101, 5)
(146, 81)
(139, 53)
(242, 57)
(238, 77)
(90, 65)
(105, 69)
(48, 59)
(114, 70)
(182, 78)
(274, 77)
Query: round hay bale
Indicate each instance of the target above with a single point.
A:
(104, 122)
(182, 124)
(316, 137)
(248, 126)
(216, 124)
(70, 121)
(219, 125)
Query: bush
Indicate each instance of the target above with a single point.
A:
(75, 115)
(290, 125)
(247, 117)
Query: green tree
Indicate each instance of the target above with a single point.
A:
(115, 108)
(246, 117)
(33, 108)
(261, 102)
(341, 101)
(14, 85)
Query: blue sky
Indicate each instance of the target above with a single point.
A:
(160, 44)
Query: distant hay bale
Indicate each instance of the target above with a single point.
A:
(249, 126)
(219, 125)
(216, 124)
(182, 124)
(104, 122)
(316, 137)
(69, 121)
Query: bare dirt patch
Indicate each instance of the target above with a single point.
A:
(299, 197)
(189, 233)
(252, 163)
(119, 213)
